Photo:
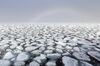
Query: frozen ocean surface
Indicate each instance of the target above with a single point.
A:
(50, 45)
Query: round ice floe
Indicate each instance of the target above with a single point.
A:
(50, 48)
(81, 56)
(9, 55)
(51, 63)
(24, 56)
(60, 43)
(4, 47)
(19, 63)
(67, 61)
(8, 50)
(65, 54)
(5, 63)
(72, 44)
(48, 51)
(13, 46)
(36, 52)
(42, 48)
(3, 42)
(19, 47)
(13, 42)
(30, 48)
(53, 56)
(68, 47)
(17, 51)
(59, 47)
(34, 63)
(76, 49)
(41, 59)
(59, 51)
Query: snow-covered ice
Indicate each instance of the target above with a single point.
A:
(44, 45)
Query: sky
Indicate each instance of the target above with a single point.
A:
(49, 11)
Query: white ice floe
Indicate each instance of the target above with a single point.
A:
(67, 61)
(34, 63)
(51, 63)
(5, 63)
(41, 59)
(19, 63)
(24, 56)
(9, 56)
(54, 56)
(81, 56)
(30, 48)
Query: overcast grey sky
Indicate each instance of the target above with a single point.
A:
(49, 11)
